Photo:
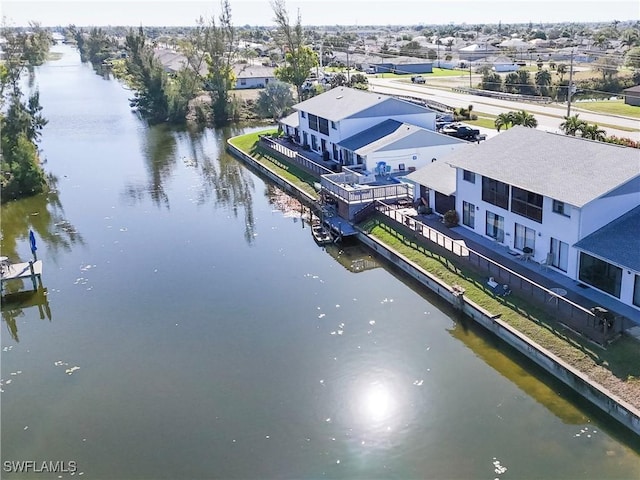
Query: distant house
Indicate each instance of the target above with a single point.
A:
(476, 52)
(563, 197)
(253, 76)
(331, 117)
(504, 64)
(632, 96)
(172, 62)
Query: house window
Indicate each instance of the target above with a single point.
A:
(600, 274)
(333, 125)
(313, 122)
(468, 214)
(323, 125)
(561, 208)
(524, 237)
(304, 114)
(495, 192)
(495, 227)
(526, 203)
(636, 292)
(560, 254)
(469, 176)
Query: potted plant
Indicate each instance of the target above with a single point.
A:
(451, 218)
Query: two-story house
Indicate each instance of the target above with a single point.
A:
(553, 194)
(333, 116)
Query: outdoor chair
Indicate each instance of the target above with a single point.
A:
(497, 288)
(547, 261)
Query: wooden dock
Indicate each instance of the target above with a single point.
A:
(17, 271)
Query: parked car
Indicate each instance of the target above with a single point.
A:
(418, 79)
(463, 132)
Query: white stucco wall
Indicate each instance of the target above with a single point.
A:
(597, 213)
(423, 156)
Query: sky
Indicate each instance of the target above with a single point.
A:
(316, 12)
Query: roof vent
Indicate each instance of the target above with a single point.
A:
(338, 97)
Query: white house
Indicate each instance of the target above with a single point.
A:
(554, 194)
(333, 116)
(397, 146)
(253, 76)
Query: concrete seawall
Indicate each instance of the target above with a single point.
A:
(271, 175)
(624, 413)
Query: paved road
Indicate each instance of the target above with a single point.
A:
(549, 116)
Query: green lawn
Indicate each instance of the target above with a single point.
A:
(483, 122)
(613, 107)
(437, 72)
(249, 144)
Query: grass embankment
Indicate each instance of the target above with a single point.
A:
(613, 107)
(249, 144)
(617, 368)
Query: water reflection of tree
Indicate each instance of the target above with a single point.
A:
(226, 181)
(44, 215)
(160, 158)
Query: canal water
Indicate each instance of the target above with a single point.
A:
(192, 328)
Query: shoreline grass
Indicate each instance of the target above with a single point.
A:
(248, 143)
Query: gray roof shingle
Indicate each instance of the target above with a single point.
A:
(438, 176)
(394, 135)
(618, 241)
(344, 102)
(569, 169)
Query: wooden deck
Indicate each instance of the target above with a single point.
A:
(17, 271)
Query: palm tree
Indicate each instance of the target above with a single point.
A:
(524, 118)
(543, 80)
(561, 70)
(593, 132)
(503, 120)
(572, 125)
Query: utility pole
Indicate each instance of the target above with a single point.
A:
(570, 87)
(470, 74)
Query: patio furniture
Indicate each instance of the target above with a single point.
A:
(547, 261)
(527, 254)
(556, 292)
(497, 288)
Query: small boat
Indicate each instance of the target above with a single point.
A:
(320, 234)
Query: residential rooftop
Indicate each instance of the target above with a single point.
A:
(392, 135)
(618, 241)
(569, 169)
(343, 102)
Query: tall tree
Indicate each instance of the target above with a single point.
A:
(20, 121)
(299, 58)
(219, 44)
(275, 100)
(543, 81)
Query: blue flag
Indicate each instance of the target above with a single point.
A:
(32, 241)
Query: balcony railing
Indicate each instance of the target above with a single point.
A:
(346, 186)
